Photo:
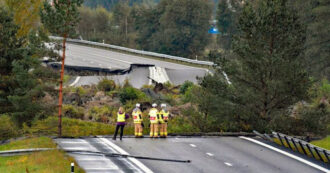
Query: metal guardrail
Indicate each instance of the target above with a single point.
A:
(23, 151)
(138, 52)
(302, 147)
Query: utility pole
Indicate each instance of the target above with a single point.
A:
(60, 19)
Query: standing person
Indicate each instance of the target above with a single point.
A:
(137, 118)
(153, 114)
(163, 119)
(121, 122)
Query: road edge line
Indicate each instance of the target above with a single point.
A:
(122, 151)
(286, 154)
(75, 81)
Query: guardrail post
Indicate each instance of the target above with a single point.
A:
(310, 150)
(302, 147)
(72, 167)
(326, 155)
(318, 154)
(294, 143)
(287, 141)
(279, 137)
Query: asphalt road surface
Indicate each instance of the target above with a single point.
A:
(79, 55)
(210, 155)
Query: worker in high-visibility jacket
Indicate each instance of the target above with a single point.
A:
(121, 122)
(163, 119)
(153, 115)
(137, 118)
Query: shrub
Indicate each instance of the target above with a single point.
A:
(106, 85)
(8, 129)
(100, 114)
(73, 112)
(80, 90)
(184, 87)
(130, 93)
(189, 94)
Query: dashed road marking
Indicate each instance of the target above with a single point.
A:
(210, 154)
(286, 154)
(193, 145)
(228, 164)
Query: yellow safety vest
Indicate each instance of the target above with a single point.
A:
(153, 115)
(136, 116)
(163, 115)
(121, 117)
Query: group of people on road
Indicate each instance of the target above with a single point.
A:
(158, 120)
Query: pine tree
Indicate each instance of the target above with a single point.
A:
(269, 48)
(21, 75)
(318, 39)
(267, 69)
(227, 19)
(61, 19)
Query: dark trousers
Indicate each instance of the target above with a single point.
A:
(121, 131)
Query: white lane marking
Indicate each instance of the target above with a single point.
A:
(193, 145)
(100, 65)
(228, 164)
(121, 151)
(75, 81)
(210, 154)
(92, 62)
(92, 159)
(78, 148)
(286, 154)
(100, 169)
(73, 142)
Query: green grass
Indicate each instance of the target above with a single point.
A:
(323, 143)
(42, 142)
(70, 127)
(39, 162)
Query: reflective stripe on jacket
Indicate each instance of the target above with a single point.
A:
(137, 116)
(163, 115)
(153, 115)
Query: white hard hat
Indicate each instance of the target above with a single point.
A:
(163, 105)
(137, 105)
(154, 105)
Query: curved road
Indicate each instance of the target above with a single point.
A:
(209, 155)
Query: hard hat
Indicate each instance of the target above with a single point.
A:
(154, 105)
(137, 105)
(163, 105)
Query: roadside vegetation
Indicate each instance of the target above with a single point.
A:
(323, 143)
(53, 161)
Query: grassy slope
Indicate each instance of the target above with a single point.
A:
(323, 143)
(40, 162)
